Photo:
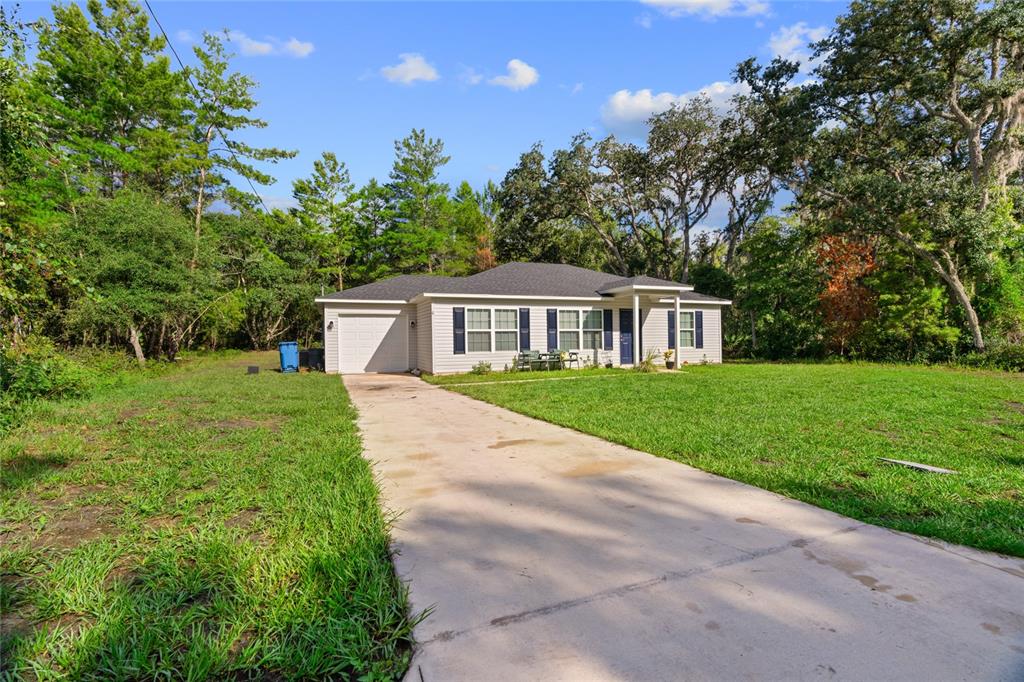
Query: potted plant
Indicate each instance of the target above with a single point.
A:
(669, 362)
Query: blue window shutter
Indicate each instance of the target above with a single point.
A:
(671, 329)
(459, 328)
(698, 325)
(552, 329)
(607, 329)
(524, 329)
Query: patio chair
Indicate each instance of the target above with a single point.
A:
(527, 359)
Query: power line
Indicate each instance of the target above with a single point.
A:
(223, 137)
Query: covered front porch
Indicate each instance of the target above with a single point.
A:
(634, 303)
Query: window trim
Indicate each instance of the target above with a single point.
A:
(692, 329)
(581, 328)
(493, 329)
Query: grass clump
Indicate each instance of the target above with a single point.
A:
(206, 523)
(815, 432)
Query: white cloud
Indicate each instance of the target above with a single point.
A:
(709, 9)
(626, 113)
(298, 48)
(793, 43)
(412, 68)
(576, 89)
(519, 77)
(644, 20)
(185, 36)
(470, 76)
(270, 46)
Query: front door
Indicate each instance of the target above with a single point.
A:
(626, 336)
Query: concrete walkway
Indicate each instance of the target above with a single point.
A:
(550, 555)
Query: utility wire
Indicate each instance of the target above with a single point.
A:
(184, 70)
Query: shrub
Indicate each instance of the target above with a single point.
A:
(648, 363)
(34, 369)
(481, 368)
(1006, 357)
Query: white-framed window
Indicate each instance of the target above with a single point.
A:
(568, 330)
(492, 328)
(576, 327)
(687, 334)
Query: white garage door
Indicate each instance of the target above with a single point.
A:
(374, 343)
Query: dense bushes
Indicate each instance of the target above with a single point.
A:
(1004, 357)
(35, 369)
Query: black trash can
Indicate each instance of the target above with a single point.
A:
(316, 359)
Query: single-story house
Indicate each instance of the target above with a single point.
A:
(449, 324)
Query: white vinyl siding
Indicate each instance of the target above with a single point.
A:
(424, 340)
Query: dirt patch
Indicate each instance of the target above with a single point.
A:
(130, 413)
(243, 519)
(994, 629)
(1015, 406)
(597, 468)
(162, 521)
(400, 473)
(239, 645)
(909, 598)
(15, 623)
(73, 527)
(744, 519)
(123, 572)
(241, 424)
(422, 456)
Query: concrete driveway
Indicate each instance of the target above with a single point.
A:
(551, 555)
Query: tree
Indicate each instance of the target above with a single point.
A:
(220, 103)
(777, 289)
(539, 221)
(923, 101)
(685, 145)
(845, 301)
(417, 239)
(327, 207)
(112, 105)
(132, 253)
(31, 270)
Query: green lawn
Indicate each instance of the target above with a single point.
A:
(814, 432)
(201, 524)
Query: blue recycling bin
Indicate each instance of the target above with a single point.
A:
(289, 351)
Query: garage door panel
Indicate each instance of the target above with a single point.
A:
(374, 343)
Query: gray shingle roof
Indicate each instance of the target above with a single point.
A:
(510, 279)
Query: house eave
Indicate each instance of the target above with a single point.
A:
(346, 301)
(645, 289)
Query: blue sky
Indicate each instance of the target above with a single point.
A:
(489, 78)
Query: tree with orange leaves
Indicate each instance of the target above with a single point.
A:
(845, 301)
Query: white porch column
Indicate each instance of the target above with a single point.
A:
(675, 341)
(636, 329)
